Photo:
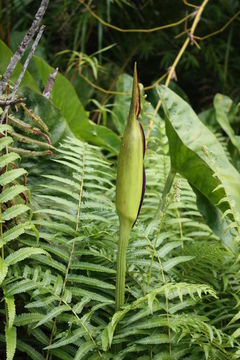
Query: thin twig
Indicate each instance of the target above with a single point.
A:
(105, 91)
(158, 28)
(214, 33)
(121, 70)
(15, 101)
(190, 5)
(200, 38)
(149, 87)
(23, 46)
(50, 83)
(121, 93)
(33, 49)
(176, 61)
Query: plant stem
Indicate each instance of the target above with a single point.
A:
(125, 229)
(167, 188)
(226, 60)
(178, 58)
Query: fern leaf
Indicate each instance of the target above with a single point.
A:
(68, 340)
(63, 228)
(89, 281)
(84, 350)
(10, 193)
(58, 286)
(169, 264)
(59, 214)
(14, 211)
(167, 248)
(65, 181)
(3, 270)
(5, 141)
(7, 159)
(29, 350)
(5, 128)
(63, 190)
(20, 287)
(11, 310)
(22, 254)
(27, 318)
(51, 263)
(92, 267)
(11, 341)
(60, 201)
(41, 303)
(154, 339)
(11, 175)
(54, 313)
(91, 295)
(15, 232)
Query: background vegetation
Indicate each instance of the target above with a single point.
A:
(59, 230)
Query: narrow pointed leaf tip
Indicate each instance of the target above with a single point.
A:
(137, 90)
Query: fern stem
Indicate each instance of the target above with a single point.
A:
(167, 187)
(166, 190)
(167, 305)
(125, 229)
(226, 59)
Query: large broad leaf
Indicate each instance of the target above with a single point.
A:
(222, 105)
(63, 95)
(52, 117)
(215, 221)
(5, 57)
(198, 156)
(65, 98)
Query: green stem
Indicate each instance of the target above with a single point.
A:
(125, 229)
(166, 190)
(226, 60)
(167, 187)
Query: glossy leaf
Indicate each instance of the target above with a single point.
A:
(198, 156)
(6, 55)
(214, 220)
(222, 105)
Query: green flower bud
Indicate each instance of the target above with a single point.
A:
(130, 172)
(130, 185)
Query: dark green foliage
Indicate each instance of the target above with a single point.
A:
(59, 241)
(212, 69)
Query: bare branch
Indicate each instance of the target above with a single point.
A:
(8, 102)
(33, 49)
(50, 83)
(24, 44)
